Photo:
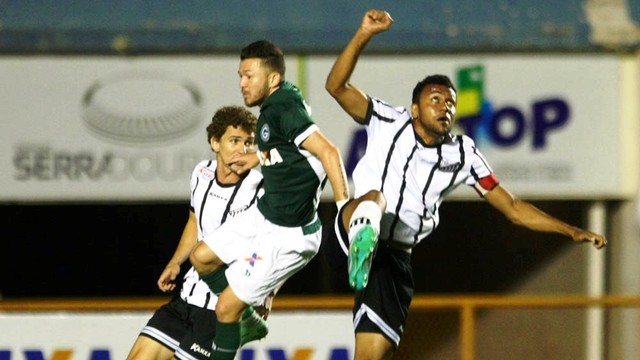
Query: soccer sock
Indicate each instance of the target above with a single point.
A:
(216, 280)
(226, 341)
(367, 212)
(247, 313)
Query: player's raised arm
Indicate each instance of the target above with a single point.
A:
(353, 100)
(525, 214)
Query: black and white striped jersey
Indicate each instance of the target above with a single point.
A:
(214, 203)
(414, 177)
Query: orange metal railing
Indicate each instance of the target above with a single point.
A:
(467, 306)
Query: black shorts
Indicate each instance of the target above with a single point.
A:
(382, 307)
(186, 329)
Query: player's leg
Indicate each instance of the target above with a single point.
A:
(209, 266)
(196, 344)
(270, 257)
(374, 196)
(362, 219)
(381, 309)
(229, 310)
(212, 267)
(253, 326)
(372, 346)
(160, 337)
(146, 348)
(235, 323)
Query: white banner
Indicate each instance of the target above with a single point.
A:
(108, 128)
(101, 128)
(325, 335)
(550, 126)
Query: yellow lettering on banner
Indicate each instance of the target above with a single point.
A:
(302, 354)
(62, 355)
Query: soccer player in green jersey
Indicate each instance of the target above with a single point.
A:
(250, 256)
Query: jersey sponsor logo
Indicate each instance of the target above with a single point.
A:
(445, 167)
(206, 173)
(199, 349)
(217, 196)
(234, 212)
(270, 157)
(252, 260)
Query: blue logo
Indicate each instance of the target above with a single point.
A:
(507, 126)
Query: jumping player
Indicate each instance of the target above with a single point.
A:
(411, 162)
(270, 242)
(184, 328)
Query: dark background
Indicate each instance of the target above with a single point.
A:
(105, 250)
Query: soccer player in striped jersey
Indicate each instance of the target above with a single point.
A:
(184, 328)
(270, 242)
(411, 163)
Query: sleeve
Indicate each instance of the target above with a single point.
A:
(296, 123)
(193, 183)
(482, 177)
(382, 116)
(257, 179)
(200, 168)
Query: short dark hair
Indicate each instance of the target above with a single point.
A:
(270, 54)
(235, 116)
(433, 80)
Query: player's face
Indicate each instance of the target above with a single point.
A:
(234, 141)
(434, 115)
(254, 81)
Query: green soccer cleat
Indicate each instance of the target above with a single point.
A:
(253, 328)
(361, 253)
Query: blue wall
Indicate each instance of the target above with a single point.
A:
(321, 26)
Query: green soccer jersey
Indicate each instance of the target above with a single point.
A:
(293, 177)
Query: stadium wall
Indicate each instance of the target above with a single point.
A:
(60, 35)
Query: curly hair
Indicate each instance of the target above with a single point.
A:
(235, 116)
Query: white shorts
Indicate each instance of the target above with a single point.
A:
(261, 255)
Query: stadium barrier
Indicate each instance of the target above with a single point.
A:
(465, 309)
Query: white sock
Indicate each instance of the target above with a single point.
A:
(367, 212)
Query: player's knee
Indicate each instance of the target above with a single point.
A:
(229, 308)
(203, 259)
(372, 346)
(375, 196)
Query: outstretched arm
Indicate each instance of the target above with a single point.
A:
(525, 214)
(353, 100)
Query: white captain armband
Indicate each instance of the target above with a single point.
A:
(486, 184)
